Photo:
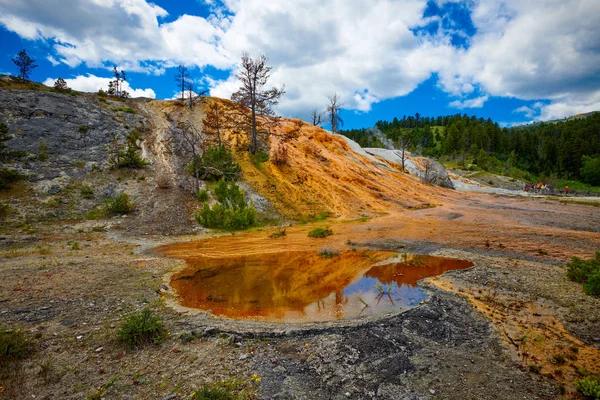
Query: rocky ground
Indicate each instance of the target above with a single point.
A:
(70, 290)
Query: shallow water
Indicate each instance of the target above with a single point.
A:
(305, 287)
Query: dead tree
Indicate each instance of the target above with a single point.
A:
(316, 117)
(428, 170)
(403, 140)
(182, 77)
(215, 120)
(254, 114)
(333, 110)
(193, 143)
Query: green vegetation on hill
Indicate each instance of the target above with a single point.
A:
(562, 150)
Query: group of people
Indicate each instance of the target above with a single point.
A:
(540, 188)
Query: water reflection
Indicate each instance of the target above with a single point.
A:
(303, 286)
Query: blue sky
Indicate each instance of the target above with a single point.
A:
(502, 59)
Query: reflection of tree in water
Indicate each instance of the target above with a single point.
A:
(302, 285)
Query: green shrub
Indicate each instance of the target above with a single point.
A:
(589, 387)
(279, 233)
(4, 210)
(207, 392)
(202, 195)
(14, 346)
(320, 233)
(328, 253)
(124, 109)
(592, 286)
(83, 129)
(216, 163)
(9, 176)
(142, 328)
(87, 192)
(578, 270)
(590, 170)
(42, 153)
(131, 158)
(230, 389)
(119, 205)
(258, 158)
(231, 211)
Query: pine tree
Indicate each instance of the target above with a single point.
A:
(25, 64)
(61, 85)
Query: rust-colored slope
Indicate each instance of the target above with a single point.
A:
(321, 173)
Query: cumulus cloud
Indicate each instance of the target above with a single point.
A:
(364, 51)
(93, 83)
(525, 110)
(477, 102)
(531, 50)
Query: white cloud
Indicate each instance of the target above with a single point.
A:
(525, 110)
(364, 51)
(477, 102)
(531, 50)
(93, 83)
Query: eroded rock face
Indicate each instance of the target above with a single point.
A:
(428, 170)
(73, 130)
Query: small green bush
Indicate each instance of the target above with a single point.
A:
(4, 210)
(131, 158)
(142, 328)
(578, 270)
(207, 392)
(279, 233)
(258, 158)
(230, 389)
(592, 286)
(83, 129)
(127, 110)
(589, 387)
(216, 163)
(8, 177)
(328, 253)
(202, 195)
(14, 346)
(119, 205)
(87, 192)
(320, 233)
(231, 211)
(42, 153)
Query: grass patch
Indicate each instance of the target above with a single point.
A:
(280, 232)
(14, 346)
(230, 389)
(329, 253)
(8, 177)
(586, 272)
(142, 328)
(87, 192)
(124, 109)
(119, 205)
(320, 233)
(259, 158)
(589, 386)
(202, 195)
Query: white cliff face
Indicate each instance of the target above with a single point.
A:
(436, 173)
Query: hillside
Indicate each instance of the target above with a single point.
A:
(322, 175)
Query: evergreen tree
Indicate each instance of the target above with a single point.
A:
(25, 64)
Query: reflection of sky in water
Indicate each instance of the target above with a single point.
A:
(301, 287)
